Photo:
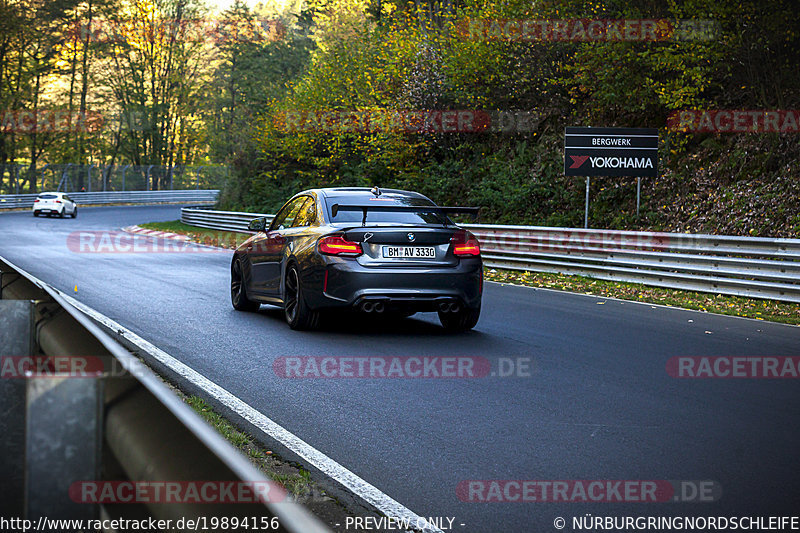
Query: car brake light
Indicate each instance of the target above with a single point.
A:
(465, 243)
(58, 201)
(36, 200)
(338, 245)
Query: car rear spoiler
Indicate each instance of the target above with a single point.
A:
(335, 208)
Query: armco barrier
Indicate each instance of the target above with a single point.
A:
(116, 425)
(741, 266)
(189, 196)
(220, 220)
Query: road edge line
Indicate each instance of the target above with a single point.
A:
(329, 467)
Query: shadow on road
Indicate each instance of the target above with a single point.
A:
(353, 323)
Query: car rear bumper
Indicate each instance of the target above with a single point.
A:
(345, 283)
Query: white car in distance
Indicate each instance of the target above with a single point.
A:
(54, 203)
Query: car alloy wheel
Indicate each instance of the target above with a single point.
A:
(297, 313)
(239, 297)
(292, 294)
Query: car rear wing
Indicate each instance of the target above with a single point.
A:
(335, 208)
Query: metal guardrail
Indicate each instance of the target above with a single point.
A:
(16, 201)
(220, 220)
(753, 267)
(117, 423)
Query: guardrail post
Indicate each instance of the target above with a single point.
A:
(171, 172)
(147, 178)
(50, 424)
(62, 444)
(16, 340)
(126, 167)
(197, 177)
(89, 177)
(64, 177)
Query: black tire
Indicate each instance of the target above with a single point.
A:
(295, 309)
(61, 213)
(460, 321)
(74, 213)
(239, 297)
(36, 213)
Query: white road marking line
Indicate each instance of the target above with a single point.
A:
(319, 460)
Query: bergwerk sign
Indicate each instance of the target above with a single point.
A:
(611, 152)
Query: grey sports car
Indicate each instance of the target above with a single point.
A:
(374, 251)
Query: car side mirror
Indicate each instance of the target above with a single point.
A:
(257, 224)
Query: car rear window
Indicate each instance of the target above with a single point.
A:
(47, 196)
(383, 217)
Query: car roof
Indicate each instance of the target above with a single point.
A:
(354, 193)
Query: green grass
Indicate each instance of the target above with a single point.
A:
(296, 481)
(770, 310)
(295, 484)
(211, 237)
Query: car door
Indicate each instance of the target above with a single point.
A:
(265, 251)
(69, 205)
(294, 237)
(62, 205)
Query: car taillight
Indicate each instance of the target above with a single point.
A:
(338, 245)
(465, 244)
(58, 201)
(36, 200)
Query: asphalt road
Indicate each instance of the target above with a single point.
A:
(598, 404)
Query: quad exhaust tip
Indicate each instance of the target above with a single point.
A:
(372, 307)
(449, 307)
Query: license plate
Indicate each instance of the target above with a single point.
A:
(409, 252)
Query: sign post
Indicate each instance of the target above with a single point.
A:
(638, 194)
(610, 152)
(586, 207)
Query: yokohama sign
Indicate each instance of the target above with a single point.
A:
(611, 152)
